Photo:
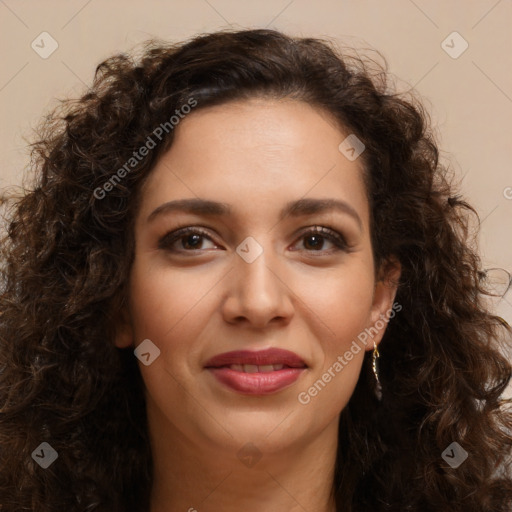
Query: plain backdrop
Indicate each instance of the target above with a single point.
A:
(455, 54)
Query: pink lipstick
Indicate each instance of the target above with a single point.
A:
(257, 372)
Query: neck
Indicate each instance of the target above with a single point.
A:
(190, 477)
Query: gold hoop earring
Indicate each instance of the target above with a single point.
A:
(378, 388)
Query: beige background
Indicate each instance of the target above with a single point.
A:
(470, 97)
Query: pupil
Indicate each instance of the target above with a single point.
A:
(317, 238)
(197, 240)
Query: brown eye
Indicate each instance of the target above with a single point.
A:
(315, 239)
(189, 239)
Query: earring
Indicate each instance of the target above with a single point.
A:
(378, 387)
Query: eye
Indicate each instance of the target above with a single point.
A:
(190, 239)
(315, 238)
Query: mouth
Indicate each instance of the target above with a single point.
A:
(254, 368)
(261, 361)
(257, 372)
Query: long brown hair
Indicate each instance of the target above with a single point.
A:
(68, 247)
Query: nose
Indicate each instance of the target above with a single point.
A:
(259, 294)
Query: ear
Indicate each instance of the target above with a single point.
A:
(383, 307)
(123, 337)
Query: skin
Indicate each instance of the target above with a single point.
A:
(302, 294)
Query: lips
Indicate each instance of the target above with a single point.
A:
(256, 361)
(254, 368)
(257, 372)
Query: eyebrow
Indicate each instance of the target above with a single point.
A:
(298, 208)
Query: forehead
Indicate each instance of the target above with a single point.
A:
(254, 153)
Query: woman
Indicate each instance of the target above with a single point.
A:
(177, 335)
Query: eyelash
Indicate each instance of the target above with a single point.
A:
(336, 238)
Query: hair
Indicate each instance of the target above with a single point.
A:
(68, 247)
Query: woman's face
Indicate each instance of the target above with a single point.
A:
(252, 276)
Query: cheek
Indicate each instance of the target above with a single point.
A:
(330, 389)
(164, 303)
(341, 301)
(167, 307)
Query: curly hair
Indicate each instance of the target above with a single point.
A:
(68, 246)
